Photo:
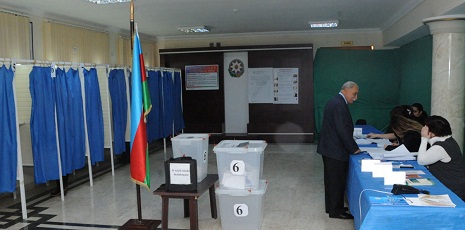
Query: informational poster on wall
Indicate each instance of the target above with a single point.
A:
(260, 85)
(202, 77)
(286, 85)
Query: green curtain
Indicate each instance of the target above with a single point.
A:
(386, 79)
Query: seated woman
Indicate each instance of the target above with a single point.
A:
(418, 113)
(407, 132)
(444, 158)
(403, 110)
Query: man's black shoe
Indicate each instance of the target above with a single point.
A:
(343, 215)
(345, 209)
(57, 192)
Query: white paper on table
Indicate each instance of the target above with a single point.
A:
(400, 151)
(368, 165)
(400, 155)
(362, 141)
(375, 152)
(414, 172)
(430, 200)
(381, 169)
(381, 142)
(394, 178)
(403, 158)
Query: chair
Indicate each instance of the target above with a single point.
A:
(361, 122)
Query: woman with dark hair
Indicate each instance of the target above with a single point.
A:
(407, 132)
(418, 113)
(444, 158)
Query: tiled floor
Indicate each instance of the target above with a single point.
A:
(294, 198)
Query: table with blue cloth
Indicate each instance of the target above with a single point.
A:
(370, 214)
(366, 129)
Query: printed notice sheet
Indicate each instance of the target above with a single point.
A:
(180, 173)
(260, 85)
(286, 86)
(202, 77)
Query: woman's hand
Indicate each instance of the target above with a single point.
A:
(425, 132)
(372, 135)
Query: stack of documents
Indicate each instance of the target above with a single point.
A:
(431, 200)
(400, 153)
(418, 181)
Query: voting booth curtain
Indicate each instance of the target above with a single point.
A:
(8, 140)
(386, 78)
(57, 105)
(155, 118)
(166, 117)
(119, 105)
(94, 116)
(42, 125)
(70, 118)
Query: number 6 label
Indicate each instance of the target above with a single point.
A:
(241, 210)
(237, 167)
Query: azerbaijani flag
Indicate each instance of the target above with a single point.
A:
(140, 107)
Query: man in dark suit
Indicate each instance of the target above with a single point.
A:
(335, 144)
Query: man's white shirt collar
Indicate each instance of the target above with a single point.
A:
(343, 97)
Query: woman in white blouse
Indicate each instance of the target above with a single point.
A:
(444, 158)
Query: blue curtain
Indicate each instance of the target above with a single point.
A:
(94, 116)
(155, 118)
(8, 141)
(167, 103)
(42, 125)
(70, 118)
(177, 105)
(119, 104)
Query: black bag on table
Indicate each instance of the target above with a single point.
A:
(181, 174)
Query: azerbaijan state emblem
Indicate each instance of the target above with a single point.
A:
(236, 68)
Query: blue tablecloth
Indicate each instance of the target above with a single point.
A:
(368, 215)
(366, 129)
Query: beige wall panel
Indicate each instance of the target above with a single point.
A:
(14, 36)
(24, 102)
(74, 44)
(105, 94)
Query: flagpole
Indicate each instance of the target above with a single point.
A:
(139, 223)
(131, 26)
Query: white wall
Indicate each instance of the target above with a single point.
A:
(236, 99)
(318, 39)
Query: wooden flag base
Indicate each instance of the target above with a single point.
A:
(141, 224)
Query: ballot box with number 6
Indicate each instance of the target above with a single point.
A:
(240, 163)
(241, 209)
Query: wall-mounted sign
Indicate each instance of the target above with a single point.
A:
(202, 77)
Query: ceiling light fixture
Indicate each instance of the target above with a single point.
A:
(324, 24)
(195, 29)
(107, 1)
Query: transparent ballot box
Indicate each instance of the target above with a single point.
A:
(241, 209)
(195, 146)
(240, 163)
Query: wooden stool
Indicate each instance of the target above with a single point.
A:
(190, 201)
